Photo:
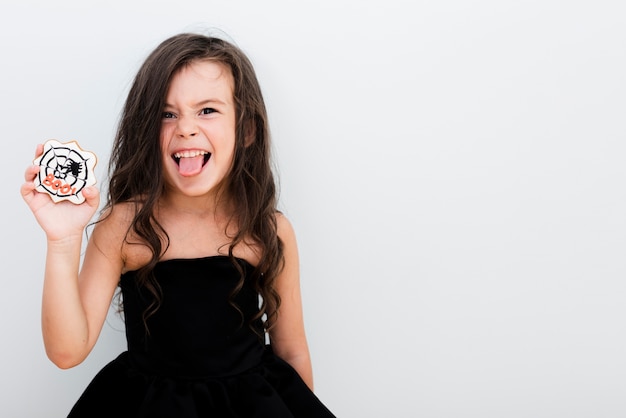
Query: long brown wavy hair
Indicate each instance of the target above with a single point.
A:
(135, 167)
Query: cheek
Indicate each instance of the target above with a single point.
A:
(228, 151)
(164, 138)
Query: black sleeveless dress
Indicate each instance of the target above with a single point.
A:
(200, 358)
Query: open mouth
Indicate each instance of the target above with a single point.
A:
(191, 162)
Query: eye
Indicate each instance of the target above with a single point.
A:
(168, 115)
(207, 111)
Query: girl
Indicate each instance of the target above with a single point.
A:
(190, 234)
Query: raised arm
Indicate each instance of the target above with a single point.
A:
(73, 308)
(288, 336)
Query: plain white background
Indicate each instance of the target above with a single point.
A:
(454, 171)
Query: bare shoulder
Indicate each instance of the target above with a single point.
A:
(285, 231)
(113, 236)
(115, 221)
(287, 234)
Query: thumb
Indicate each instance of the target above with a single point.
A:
(92, 196)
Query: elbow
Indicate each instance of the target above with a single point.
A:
(64, 360)
(64, 365)
(65, 353)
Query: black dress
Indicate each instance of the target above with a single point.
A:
(200, 358)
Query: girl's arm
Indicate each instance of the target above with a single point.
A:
(73, 307)
(288, 337)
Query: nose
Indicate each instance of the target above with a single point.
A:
(186, 128)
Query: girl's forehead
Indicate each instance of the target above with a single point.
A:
(202, 77)
(209, 70)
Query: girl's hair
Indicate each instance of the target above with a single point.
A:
(135, 167)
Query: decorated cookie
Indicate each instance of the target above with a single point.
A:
(65, 169)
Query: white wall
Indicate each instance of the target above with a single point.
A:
(454, 170)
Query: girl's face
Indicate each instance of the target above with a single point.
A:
(198, 129)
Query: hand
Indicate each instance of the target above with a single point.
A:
(63, 219)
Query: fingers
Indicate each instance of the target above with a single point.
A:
(27, 189)
(31, 172)
(29, 176)
(38, 150)
(92, 196)
(29, 185)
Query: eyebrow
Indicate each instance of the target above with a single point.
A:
(201, 103)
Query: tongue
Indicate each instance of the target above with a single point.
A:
(191, 165)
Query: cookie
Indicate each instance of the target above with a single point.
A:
(65, 169)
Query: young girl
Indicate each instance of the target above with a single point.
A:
(191, 235)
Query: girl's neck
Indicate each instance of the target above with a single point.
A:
(201, 206)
